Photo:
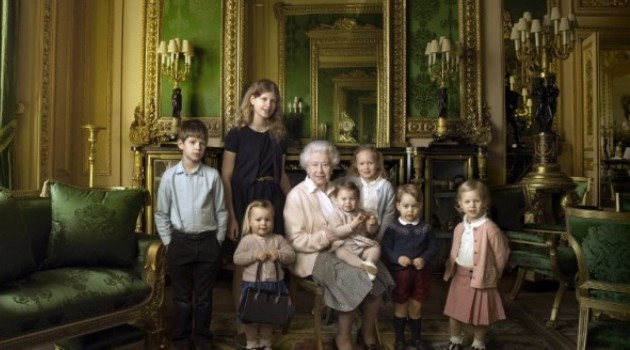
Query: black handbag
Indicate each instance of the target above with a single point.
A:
(265, 306)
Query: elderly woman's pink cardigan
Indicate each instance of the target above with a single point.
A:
(305, 226)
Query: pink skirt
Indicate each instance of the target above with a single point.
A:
(478, 307)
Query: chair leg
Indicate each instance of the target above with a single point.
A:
(518, 283)
(377, 332)
(583, 328)
(553, 319)
(317, 315)
(293, 287)
(329, 315)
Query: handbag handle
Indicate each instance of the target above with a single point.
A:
(259, 276)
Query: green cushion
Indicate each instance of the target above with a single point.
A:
(36, 216)
(16, 257)
(92, 227)
(608, 334)
(53, 297)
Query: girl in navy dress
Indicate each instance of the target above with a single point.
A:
(253, 164)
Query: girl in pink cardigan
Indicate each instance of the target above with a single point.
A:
(259, 243)
(478, 256)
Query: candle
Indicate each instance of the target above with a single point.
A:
(555, 13)
(446, 45)
(564, 24)
(521, 24)
(536, 27)
(172, 46)
(299, 107)
(162, 48)
(514, 33)
(435, 47)
(186, 46)
(564, 37)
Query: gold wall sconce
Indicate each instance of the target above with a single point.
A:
(443, 67)
(175, 61)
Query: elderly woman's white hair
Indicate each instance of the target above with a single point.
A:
(319, 146)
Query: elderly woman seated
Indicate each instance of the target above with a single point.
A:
(307, 206)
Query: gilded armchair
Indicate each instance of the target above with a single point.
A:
(582, 188)
(535, 249)
(622, 202)
(601, 241)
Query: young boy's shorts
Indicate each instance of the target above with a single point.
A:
(411, 283)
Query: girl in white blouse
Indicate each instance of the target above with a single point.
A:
(478, 256)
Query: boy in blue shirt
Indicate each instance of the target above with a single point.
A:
(191, 219)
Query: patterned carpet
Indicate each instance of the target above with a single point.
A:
(512, 334)
(524, 328)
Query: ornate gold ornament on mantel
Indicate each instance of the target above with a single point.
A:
(346, 129)
(144, 128)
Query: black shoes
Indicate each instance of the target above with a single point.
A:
(453, 346)
(400, 345)
(362, 343)
(182, 345)
(202, 343)
(419, 344)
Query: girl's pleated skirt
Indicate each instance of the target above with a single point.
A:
(478, 307)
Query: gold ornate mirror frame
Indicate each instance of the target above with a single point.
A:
(393, 85)
(345, 44)
(348, 48)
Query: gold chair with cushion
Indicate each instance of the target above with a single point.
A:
(601, 241)
(619, 187)
(583, 187)
(310, 286)
(622, 202)
(322, 314)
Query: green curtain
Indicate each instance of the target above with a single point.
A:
(8, 84)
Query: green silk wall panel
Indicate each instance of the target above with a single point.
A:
(199, 22)
(428, 20)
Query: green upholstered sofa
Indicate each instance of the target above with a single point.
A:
(45, 297)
